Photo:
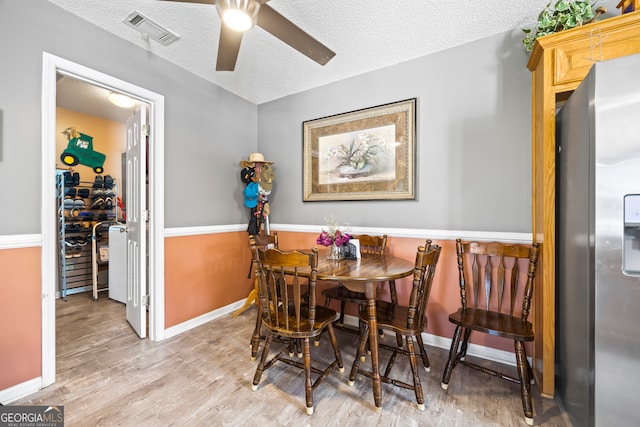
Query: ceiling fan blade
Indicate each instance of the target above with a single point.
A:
(228, 48)
(285, 30)
(194, 1)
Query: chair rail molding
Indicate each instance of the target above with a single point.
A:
(409, 233)
(20, 241)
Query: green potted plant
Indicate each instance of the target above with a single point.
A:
(564, 15)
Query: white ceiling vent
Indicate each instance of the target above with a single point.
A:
(149, 28)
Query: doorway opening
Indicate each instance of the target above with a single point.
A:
(91, 165)
(151, 214)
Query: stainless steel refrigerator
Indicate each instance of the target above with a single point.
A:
(598, 247)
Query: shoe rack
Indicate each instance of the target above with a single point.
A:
(86, 209)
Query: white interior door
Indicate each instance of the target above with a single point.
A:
(136, 221)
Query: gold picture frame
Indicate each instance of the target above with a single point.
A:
(367, 154)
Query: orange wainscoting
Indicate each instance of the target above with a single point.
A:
(202, 273)
(20, 316)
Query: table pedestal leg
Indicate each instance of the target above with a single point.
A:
(370, 293)
(251, 298)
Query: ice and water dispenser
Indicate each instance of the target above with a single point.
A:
(631, 246)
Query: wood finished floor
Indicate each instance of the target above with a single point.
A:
(107, 376)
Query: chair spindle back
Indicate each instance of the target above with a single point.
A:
(494, 272)
(423, 273)
(264, 241)
(281, 301)
(371, 244)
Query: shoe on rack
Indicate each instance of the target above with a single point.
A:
(83, 192)
(108, 204)
(98, 193)
(78, 203)
(108, 181)
(72, 228)
(77, 252)
(68, 179)
(98, 182)
(109, 193)
(71, 192)
(76, 178)
(98, 203)
(68, 203)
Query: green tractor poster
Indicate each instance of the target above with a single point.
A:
(80, 151)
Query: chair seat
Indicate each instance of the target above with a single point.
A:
(324, 316)
(393, 316)
(493, 323)
(343, 294)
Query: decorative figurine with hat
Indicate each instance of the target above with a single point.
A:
(257, 174)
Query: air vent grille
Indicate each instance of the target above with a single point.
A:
(149, 28)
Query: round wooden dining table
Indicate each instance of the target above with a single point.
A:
(363, 275)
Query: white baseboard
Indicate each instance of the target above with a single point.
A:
(202, 319)
(21, 390)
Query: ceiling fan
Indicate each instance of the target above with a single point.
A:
(244, 14)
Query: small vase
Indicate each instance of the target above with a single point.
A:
(335, 252)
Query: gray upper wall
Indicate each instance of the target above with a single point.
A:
(208, 130)
(473, 140)
(473, 122)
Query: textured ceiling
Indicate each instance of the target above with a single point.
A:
(76, 95)
(365, 34)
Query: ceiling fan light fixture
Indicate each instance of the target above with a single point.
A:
(239, 15)
(120, 100)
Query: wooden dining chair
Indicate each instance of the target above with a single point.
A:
(490, 285)
(262, 241)
(407, 321)
(287, 314)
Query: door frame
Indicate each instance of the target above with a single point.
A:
(51, 65)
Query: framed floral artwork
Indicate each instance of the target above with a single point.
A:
(367, 154)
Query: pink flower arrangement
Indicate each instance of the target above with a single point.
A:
(338, 238)
(334, 235)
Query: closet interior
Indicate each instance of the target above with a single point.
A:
(87, 212)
